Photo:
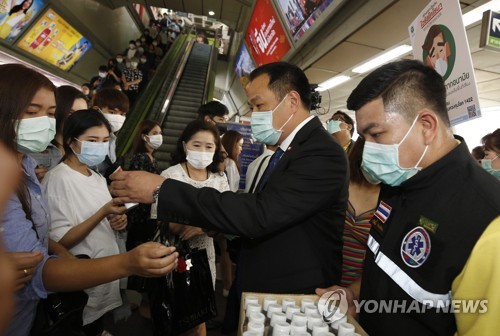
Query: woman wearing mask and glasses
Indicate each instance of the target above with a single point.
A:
(83, 213)
(27, 125)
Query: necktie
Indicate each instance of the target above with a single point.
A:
(270, 167)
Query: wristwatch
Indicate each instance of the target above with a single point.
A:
(156, 193)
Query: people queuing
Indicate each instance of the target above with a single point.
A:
(132, 69)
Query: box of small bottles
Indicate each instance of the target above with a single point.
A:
(264, 314)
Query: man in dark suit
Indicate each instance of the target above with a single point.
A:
(292, 227)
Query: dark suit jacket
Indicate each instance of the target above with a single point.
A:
(292, 229)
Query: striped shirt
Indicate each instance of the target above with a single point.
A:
(356, 230)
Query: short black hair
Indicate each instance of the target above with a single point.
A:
(283, 78)
(78, 122)
(212, 109)
(103, 68)
(346, 118)
(405, 87)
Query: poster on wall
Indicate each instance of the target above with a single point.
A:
(439, 40)
(243, 65)
(300, 15)
(55, 41)
(265, 35)
(15, 15)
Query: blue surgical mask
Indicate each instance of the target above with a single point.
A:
(380, 163)
(33, 135)
(333, 126)
(262, 126)
(486, 163)
(92, 153)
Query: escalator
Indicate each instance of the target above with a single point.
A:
(183, 81)
(188, 95)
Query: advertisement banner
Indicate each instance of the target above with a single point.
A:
(438, 39)
(243, 65)
(250, 150)
(301, 15)
(265, 35)
(15, 15)
(53, 40)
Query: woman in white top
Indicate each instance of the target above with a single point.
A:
(198, 156)
(82, 210)
(233, 143)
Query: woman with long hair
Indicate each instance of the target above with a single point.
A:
(141, 226)
(27, 125)
(361, 205)
(233, 143)
(68, 100)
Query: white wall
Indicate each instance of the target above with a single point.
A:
(472, 131)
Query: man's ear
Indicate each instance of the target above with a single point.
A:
(295, 100)
(430, 122)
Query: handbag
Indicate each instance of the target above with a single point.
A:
(61, 314)
(184, 298)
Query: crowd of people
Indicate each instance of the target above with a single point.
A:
(320, 212)
(131, 70)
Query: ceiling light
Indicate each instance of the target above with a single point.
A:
(383, 58)
(477, 13)
(332, 82)
(211, 13)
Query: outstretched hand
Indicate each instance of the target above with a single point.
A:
(152, 259)
(135, 186)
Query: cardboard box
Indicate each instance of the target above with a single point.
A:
(279, 297)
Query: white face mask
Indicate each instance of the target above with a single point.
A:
(441, 67)
(119, 60)
(133, 64)
(116, 121)
(155, 141)
(33, 135)
(199, 160)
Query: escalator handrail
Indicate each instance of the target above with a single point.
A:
(207, 79)
(175, 82)
(144, 103)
